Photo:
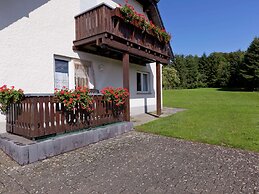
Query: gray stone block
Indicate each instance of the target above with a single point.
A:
(50, 148)
(116, 130)
(102, 133)
(113, 132)
(78, 141)
(57, 146)
(42, 152)
(123, 128)
(19, 153)
(67, 143)
(108, 133)
(95, 136)
(7, 147)
(88, 137)
(33, 153)
(119, 130)
(128, 127)
(24, 153)
(45, 149)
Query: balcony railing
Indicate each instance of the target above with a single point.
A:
(105, 26)
(39, 116)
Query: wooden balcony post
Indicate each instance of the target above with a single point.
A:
(126, 83)
(158, 89)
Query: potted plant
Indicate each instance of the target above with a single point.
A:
(9, 96)
(129, 15)
(117, 96)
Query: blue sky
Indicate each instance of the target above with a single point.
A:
(200, 26)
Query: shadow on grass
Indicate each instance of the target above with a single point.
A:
(234, 90)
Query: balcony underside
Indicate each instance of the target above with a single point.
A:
(111, 46)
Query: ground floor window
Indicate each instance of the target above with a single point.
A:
(81, 73)
(61, 74)
(143, 82)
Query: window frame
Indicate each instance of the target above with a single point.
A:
(142, 82)
(65, 59)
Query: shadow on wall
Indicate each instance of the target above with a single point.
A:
(13, 10)
(96, 80)
(152, 91)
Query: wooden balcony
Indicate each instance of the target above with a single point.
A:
(102, 31)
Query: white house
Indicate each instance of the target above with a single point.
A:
(46, 44)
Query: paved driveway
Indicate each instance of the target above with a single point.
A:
(137, 163)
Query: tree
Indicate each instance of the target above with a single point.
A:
(250, 67)
(192, 64)
(179, 64)
(211, 70)
(170, 78)
(202, 71)
(218, 73)
(235, 60)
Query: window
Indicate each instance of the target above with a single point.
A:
(81, 73)
(61, 74)
(142, 82)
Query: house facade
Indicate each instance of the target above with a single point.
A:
(49, 44)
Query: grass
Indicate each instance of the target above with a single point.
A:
(228, 118)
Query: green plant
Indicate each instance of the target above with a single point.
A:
(144, 24)
(131, 16)
(165, 36)
(116, 95)
(75, 99)
(9, 96)
(128, 13)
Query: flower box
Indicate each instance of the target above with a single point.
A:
(139, 21)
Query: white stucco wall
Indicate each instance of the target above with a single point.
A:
(87, 4)
(40, 30)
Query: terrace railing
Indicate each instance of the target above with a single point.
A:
(39, 116)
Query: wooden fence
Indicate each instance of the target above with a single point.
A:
(39, 116)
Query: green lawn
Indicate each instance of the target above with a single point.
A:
(213, 116)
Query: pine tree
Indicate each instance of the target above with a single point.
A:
(250, 67)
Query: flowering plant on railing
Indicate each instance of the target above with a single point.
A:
(116, 95)
(131, 16)
(75, 99)
(9, 96)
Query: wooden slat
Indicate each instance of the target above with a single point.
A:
(52, 117)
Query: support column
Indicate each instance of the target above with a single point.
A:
(158, 89)
(126, 83)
